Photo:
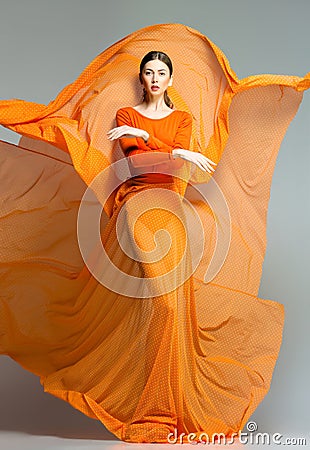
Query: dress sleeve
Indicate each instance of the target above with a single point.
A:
(154, 151)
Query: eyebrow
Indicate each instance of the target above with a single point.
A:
(159, 70)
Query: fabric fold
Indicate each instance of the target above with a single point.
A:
(196, 358)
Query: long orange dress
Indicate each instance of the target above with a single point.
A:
(145, 316)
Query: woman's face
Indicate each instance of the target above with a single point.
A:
(156, 73)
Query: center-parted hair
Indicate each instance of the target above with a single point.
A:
(150, 56)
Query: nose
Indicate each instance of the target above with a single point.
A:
(154, 79)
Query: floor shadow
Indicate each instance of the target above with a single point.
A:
(25, 407)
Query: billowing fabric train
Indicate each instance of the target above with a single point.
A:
(195, 358)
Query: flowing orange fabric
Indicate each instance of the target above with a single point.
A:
(157, 341)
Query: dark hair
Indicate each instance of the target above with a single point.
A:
(165, 59)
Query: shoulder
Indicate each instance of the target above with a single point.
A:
(125, 110)
(185, 118)
(183, 114)
(124, 114)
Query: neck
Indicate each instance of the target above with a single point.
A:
(155, 103)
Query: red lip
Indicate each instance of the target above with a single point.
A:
(154, 87)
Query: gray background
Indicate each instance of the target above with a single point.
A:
(45, 45)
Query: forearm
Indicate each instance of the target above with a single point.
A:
(148, 141)
(142, 158)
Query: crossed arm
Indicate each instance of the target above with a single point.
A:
(153, 151)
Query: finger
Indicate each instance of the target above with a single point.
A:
(207, 163)
(117, 134)
(207, 166)
(111, 134)
(200, 165)
(210, 161)
(112, 138)
(117, 129)
(113, 130)
(204, 163)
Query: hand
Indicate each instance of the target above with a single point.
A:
(199, 159)
(126, 130)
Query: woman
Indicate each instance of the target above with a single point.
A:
(166, 353)
(157, 139)
(155, 76)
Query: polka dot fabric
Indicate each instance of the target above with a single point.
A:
(197, 355)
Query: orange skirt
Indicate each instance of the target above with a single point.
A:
(158, 330)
